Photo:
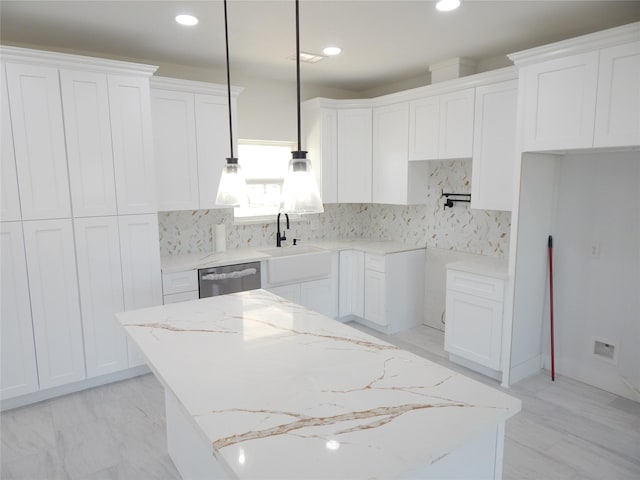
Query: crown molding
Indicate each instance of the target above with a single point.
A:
(192, 86)
(573, 46)
(66, 60)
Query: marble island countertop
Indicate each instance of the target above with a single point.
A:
(193, 261)
(279, 391)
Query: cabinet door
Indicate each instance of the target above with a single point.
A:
(456, 124)
(473, 328)
(351, 296)
(390, 154)
(132, 144)
(559, 98)
(374, 297)
(618, 103)
(85, 101)
(354, 155)
(174, 144)
(9, 200)
(290, 292)
(424, 128)
(212, 136)
(38, 136)
(141, 278)
(320, 133)
(494, 146)
(320, 296)
(55, 304)
(17, 353)
(101, 295)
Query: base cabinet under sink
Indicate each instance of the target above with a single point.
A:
(319, 295)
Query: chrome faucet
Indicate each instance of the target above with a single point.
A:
(280, 237)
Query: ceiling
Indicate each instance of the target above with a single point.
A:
(383, 41)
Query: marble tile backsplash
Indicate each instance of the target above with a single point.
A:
(459, 228)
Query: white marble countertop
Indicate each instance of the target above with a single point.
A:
(178, 263)
(283, 392)
(490, 266)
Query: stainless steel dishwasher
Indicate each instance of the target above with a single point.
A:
(228, 279)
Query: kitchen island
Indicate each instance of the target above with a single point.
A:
(259, 387)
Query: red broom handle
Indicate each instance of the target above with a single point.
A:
(550, 250)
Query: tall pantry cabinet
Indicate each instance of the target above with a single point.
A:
(77, 177)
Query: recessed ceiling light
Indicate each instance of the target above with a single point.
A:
(332, 51)
(188, 20)
(447, 5)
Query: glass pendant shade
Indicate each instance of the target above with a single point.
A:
(300, 193)
(232, 190)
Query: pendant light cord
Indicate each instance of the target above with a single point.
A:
(298, 69)
(226, 41)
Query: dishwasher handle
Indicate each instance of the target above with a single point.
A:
(225, 276)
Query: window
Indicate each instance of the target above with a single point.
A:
(264, 165)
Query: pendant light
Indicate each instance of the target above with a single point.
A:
(300, 193)
(232, 189)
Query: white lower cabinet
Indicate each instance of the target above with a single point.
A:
(290, 292)
(474, 312)
(320, 295)
(55, 303)
(140, 257)
(384, 292)
(18, 375)
(374, 297)
(180, 286)
(101, 293)
(351, 297)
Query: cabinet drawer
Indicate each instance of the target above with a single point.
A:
(178, 282)
(374, 262)
(473, 284)
(180, 297)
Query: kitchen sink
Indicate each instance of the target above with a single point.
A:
(298, 263)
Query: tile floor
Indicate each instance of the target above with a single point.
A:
(566, 430)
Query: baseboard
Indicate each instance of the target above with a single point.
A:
(489, 372)
(41, 395)
(525, 369)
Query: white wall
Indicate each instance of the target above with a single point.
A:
(597, 296)
(528, 263)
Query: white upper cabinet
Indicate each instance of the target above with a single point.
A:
(174, 143)
(38, 135)
(212, 143)
(132, 144)
(53, 285)
(85, 101)
(18, 374)
(559, 103)
(582, 92)
(618, 102)
(494, 146)
(9, 199)
(456, 124)
(354, 155)
(441, 126)
(390, 157)
(101, 294)
(424, 128)
(320, 133)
